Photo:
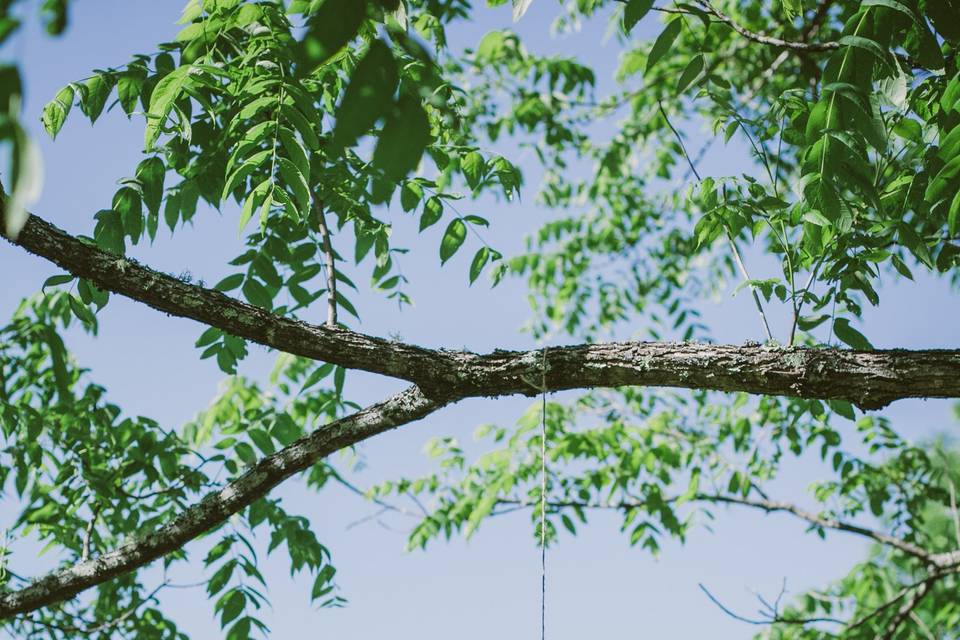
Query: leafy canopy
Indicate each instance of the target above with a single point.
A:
(321, 124)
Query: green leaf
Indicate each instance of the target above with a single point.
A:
(297, 183)
(208, 337)
(263, 441)
(295, 151)
(891, 4)
(403, 139)
(918, 247)
(53, 281)
(473, 168)
(230, 282)
(942, 182)
(232, 607)
(808, 323)
(257, 294)
(55, 112)
(164, 95)
(432, 212)
(302, 125)
(693, 69)
(253, 201)
(129, 87)
(127, 203)
(520, 8)
(480, 260)
(151, 173)
(332, 25)
(634, 12)
(953, 215)
(453, 238)
(368, 96)
(410, 195)
(93, 95)
(850, 336)
(815, 217)
(663, 43)
(868, 45)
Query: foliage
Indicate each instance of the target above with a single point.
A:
(316, 118)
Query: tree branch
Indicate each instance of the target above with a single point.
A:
(868, 379)
(805, 47)
(942, 561)
(215, 507)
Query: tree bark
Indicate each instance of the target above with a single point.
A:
(868, 379)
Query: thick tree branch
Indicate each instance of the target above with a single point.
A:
(217, 506)
(868, 379)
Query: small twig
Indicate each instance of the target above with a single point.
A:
(386, 506)
(683, 147)
(922, 626)
(88, 534)
(90, 630)
(733, 245)
(944, 561)
(904, 612)
(804, 47)
(798, 305)
(765, 621)
(327, 248)
(746, 276)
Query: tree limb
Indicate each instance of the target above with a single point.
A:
(215, 507)
(868, 379)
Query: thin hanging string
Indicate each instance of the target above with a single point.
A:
(543, 496)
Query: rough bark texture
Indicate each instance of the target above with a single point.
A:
(869, 379)
(217, 506)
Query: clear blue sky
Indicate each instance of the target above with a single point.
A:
(487, 587)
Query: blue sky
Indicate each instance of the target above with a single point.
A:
(488, 586)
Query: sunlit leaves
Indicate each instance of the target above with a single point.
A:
(56, 111)
(94, 93)
(453, 239)
(165, 94)
(520, 8)
(850, 336)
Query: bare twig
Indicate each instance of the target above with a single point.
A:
(907, 608)
(330, 262)
(88, 534)
(91, 629)
(733, 245)
(764, 621)
(802, 46)
(943, 561)
(746, 276)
